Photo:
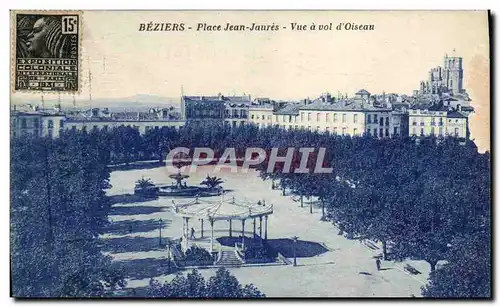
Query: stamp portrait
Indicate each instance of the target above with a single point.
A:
(47, 51)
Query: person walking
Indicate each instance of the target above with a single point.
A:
(378, 263)
(192, 237)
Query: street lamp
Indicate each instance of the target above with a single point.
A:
(161, 222)
(294, 250)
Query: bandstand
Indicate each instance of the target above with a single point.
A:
(222, 210)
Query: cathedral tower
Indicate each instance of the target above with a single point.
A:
(453, 74)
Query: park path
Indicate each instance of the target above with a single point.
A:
(346, 269)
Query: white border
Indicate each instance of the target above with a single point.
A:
(190, 4)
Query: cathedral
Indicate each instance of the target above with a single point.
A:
(447, 79)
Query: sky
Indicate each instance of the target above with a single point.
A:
(283, 64)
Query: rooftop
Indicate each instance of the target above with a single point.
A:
(343, 105)
(455, 114)
(362, 92)
(289, 109)
(222, 209)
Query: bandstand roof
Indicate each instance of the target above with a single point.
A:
(222, 209)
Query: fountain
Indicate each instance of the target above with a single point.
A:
(180, 188)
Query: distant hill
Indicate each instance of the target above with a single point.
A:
(137, 102)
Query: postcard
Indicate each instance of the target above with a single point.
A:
(250, 154)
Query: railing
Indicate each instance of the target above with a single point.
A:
(239, 247)
(175, 252)
(240, 257)
(283, 259)
(219, 256)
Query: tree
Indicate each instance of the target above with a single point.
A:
(222, 285)
(58, 210)
(212, 182)
(468, 271)
(143, 183)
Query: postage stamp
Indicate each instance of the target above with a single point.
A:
(251, 154)
(46, 47)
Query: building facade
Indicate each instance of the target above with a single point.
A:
(261, 115)
(439, 122)
(51, 123)
(231, 111)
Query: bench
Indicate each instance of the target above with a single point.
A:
(411, 269)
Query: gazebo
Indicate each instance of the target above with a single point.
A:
(222, 209)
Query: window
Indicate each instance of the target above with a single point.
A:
(296, 127)
(381, 121)
(61, 124)
(369, 119)
(387, 121)
(369, 131)
(375, 118)
(36, 122)
(290, 118)
(23, 122)
(301, 116)
(396, 132)
(422, 131)
(355, 130)
(381, 132)
(343, 131)
(105, 128)
(263, 117)
(49, 132)
(309, 116)
(375, 132)
(440, 121)
(334, 130)
(344, 117)
(414, 122)
(318, 116)
(387, 131)
(327, 117)
(355, 118)
(284, 118)
(51, 124)
(252, 116)
(422, 123)
(334, 117)
(433, 121)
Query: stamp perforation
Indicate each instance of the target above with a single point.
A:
(14, 44)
